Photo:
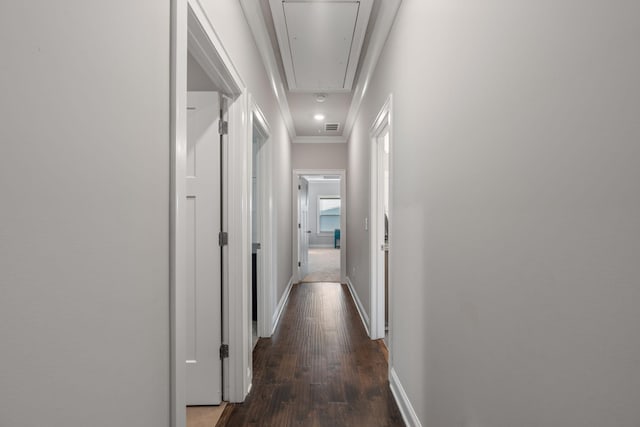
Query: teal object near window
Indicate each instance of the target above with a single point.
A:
(336, 238)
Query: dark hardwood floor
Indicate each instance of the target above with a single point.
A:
(319, 368)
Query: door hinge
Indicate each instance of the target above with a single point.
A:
(223, 238)
(299, 265)
(299, 225)
(299, 187)
(224, 351)
(223, 127)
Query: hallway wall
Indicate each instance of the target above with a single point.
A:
(84, 222)
(319, 156)
(84, 234)
(515, 211)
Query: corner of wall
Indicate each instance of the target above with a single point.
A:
(277, 314)
(361, 311)
(406, 409)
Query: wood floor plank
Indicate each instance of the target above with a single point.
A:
(319, 368)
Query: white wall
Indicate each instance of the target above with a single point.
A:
(197, 78)
(515, 211)
(319, 156)
(358, 199)
(316, 189)
(228, 20)
(84, 223)
(84, 179)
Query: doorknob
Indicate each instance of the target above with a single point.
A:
(308, 231)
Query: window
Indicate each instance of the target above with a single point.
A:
(328, 213)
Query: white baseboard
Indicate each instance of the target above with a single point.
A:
(406, 409)
(320, 246)
(359, 306)
(280, 306)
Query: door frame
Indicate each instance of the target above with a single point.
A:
(266, 280)
(382, 122)
(297, 173)
(191, 31)
(303, 237)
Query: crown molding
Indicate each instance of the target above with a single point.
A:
(381, 30)
(319, 140)
(363, 12)
(255, 19)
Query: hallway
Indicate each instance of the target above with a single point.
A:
(319, 368)
(488, 156)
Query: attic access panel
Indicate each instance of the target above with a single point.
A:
(320, 42)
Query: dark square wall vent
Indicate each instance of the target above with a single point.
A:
(331, 127)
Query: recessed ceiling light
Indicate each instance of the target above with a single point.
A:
(319, 117)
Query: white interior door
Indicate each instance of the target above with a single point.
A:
(203, 207)
(303, 228)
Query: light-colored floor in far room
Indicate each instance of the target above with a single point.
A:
(204, 416)
(324, 265)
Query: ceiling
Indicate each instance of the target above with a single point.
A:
(304, 106)
(319, 47)
(320, 42)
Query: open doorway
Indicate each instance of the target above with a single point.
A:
(319, 206)
(204, 255)
(261, 228)
(381, 221)
(207, 188)
(320, 220)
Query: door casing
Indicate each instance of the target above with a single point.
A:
(303, 227)
(192, 32)
(381, 126)
(297, 173)
(266, 273)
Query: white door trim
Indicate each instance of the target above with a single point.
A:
(382, 123)
(266, 281)
(177, 233)
(297, 173)
(238, 314)
(192, 31)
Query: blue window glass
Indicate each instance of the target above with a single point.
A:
(328, 214)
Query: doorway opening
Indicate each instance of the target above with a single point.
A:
(320, 201)
(207, 99)
(320, 235)
(261, 227)
(381, 224)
